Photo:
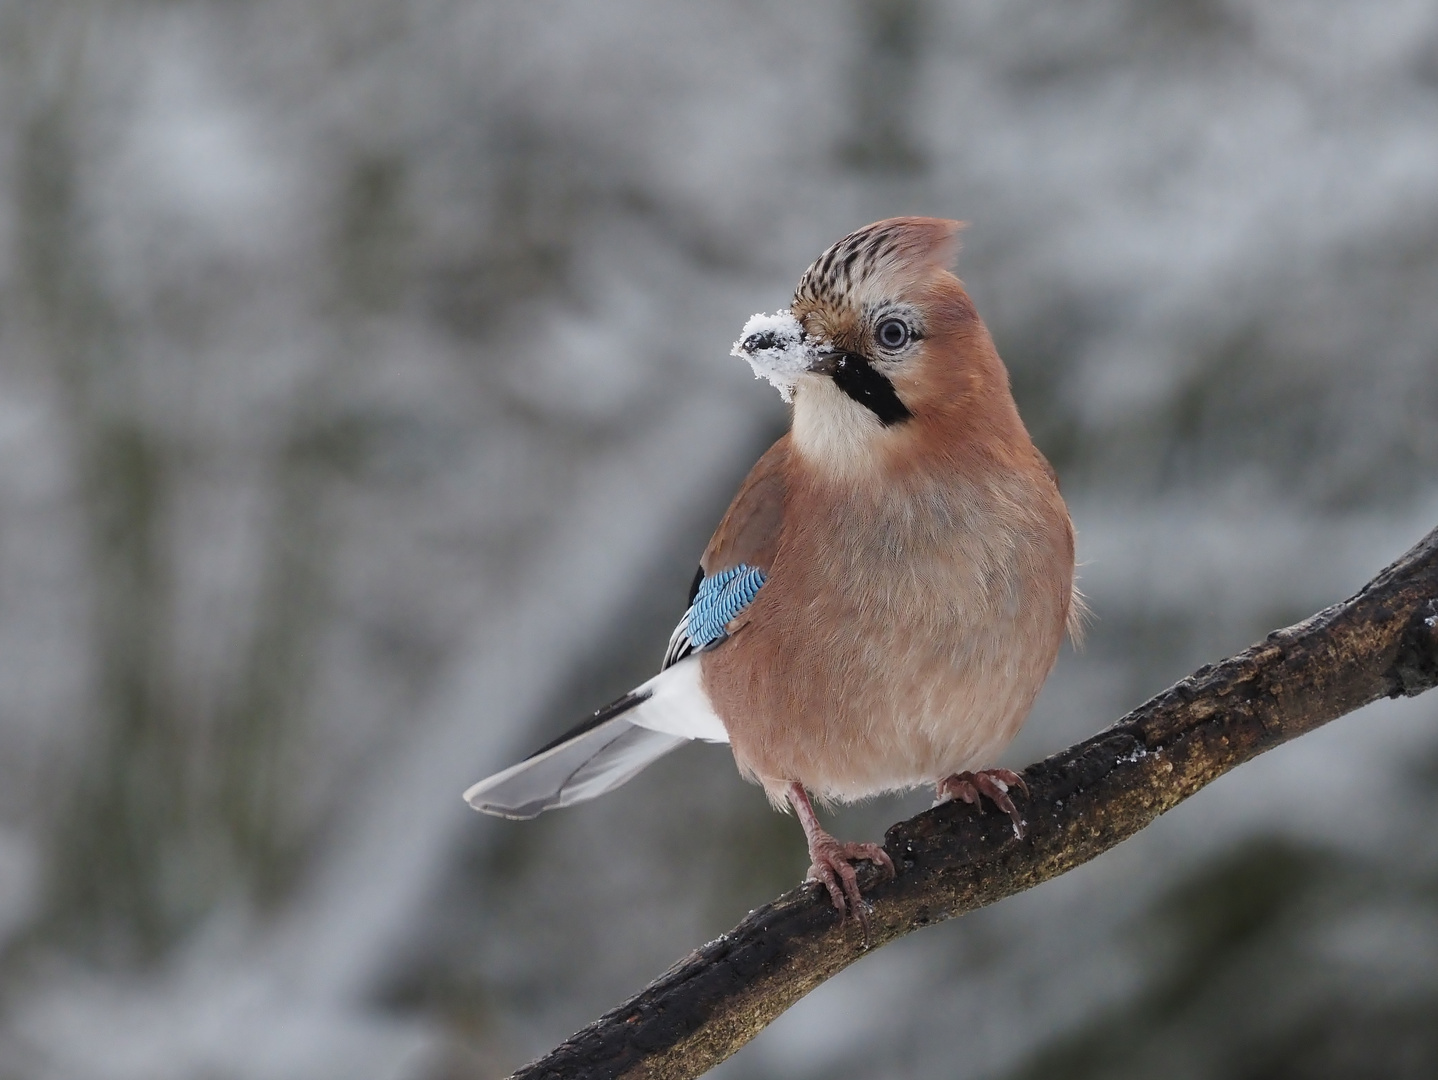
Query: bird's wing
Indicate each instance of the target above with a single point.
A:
(622, 738)
(737, 561)
(607, 749)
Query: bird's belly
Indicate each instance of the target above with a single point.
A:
(915, 715)
(911, 691)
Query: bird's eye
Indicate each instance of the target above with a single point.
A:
(893, 333)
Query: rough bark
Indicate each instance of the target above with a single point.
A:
(1383, 642)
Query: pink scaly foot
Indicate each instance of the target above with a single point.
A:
(992, 783)
(832, 863)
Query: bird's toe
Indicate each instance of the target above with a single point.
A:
(833, 867)
(991, 784)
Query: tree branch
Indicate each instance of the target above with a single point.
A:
(1383, 642)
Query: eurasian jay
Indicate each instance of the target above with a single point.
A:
(889, 589)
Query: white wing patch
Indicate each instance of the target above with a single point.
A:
(669, 710)
(679, 705)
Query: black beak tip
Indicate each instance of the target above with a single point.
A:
(757, 342)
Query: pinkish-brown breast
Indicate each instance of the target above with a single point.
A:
(904, 631)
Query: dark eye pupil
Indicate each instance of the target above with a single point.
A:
(893, 333)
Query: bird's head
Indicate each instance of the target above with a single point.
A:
(896, 358)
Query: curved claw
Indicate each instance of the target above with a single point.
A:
(833, 867)
(993, 784)
(832, 863)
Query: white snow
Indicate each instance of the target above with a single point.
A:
(777, 349)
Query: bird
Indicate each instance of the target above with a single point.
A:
(889, 589)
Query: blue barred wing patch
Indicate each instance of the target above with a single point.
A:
(719, 599)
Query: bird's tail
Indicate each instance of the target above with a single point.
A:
(608, 749)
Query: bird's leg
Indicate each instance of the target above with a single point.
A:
(993, 783)
(832, 863)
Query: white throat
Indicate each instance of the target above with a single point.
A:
(832, 431)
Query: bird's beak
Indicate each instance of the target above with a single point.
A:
(827, 362)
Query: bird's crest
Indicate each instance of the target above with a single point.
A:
(892, 253)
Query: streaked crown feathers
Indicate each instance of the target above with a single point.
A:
(883, 258)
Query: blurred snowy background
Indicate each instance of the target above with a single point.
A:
(364, 407)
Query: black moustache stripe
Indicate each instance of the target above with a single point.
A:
(856, 377)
